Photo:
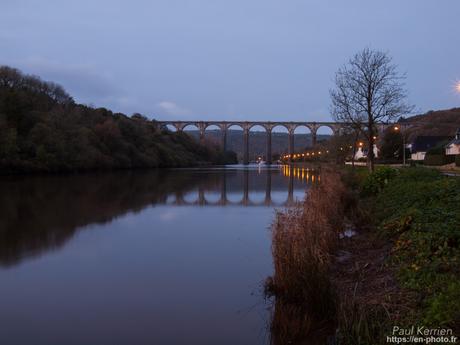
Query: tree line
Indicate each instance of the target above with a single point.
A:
(42, 129)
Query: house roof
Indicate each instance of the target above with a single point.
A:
(454, 142)
(424, 143)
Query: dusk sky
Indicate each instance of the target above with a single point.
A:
(232, 59)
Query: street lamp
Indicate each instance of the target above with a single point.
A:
(396, 128)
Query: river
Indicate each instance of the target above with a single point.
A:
(141, 257)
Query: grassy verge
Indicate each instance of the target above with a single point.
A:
(418, 210)
(413, 238)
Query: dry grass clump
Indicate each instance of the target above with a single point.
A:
(303, 244)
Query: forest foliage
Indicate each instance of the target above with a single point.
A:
(43, 129)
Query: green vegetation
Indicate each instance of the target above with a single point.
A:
(43, 129)
(376, 181)
(419, 211)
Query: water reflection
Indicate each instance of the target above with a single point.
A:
(41, 212)
(220, 198)
(184, 245)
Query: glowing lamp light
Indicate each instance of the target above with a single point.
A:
(396, 128)
(360, 143)
(457, 86)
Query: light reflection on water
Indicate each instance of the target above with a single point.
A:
(147, 257)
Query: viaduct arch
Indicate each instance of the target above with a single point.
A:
(336, 128)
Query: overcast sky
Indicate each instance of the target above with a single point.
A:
(228, 59)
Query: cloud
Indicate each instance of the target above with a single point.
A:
(171, 108)
(85, 82)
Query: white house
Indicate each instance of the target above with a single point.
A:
(418, 156)
(422, 144)
(453, 148)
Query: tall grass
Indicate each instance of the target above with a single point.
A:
(361, 323)
(304, 240)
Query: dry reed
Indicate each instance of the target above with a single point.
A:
(304, 239)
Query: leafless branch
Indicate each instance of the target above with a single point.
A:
(369, 90)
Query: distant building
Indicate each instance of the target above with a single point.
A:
(422, 144)
(453, 148)
(362, 153)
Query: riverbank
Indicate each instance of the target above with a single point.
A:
(416, 213)
(396, 265)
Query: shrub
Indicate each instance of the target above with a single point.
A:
(377, 180)
(437, 159)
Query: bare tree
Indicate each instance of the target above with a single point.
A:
(368, 90)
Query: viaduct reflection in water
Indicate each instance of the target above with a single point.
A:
(41, 213)
(292, 174)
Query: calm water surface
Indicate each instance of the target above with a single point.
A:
(151, 257)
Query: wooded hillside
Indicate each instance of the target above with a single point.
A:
(43, 129)
(435, 123)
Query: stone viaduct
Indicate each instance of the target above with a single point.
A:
(246, 126)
